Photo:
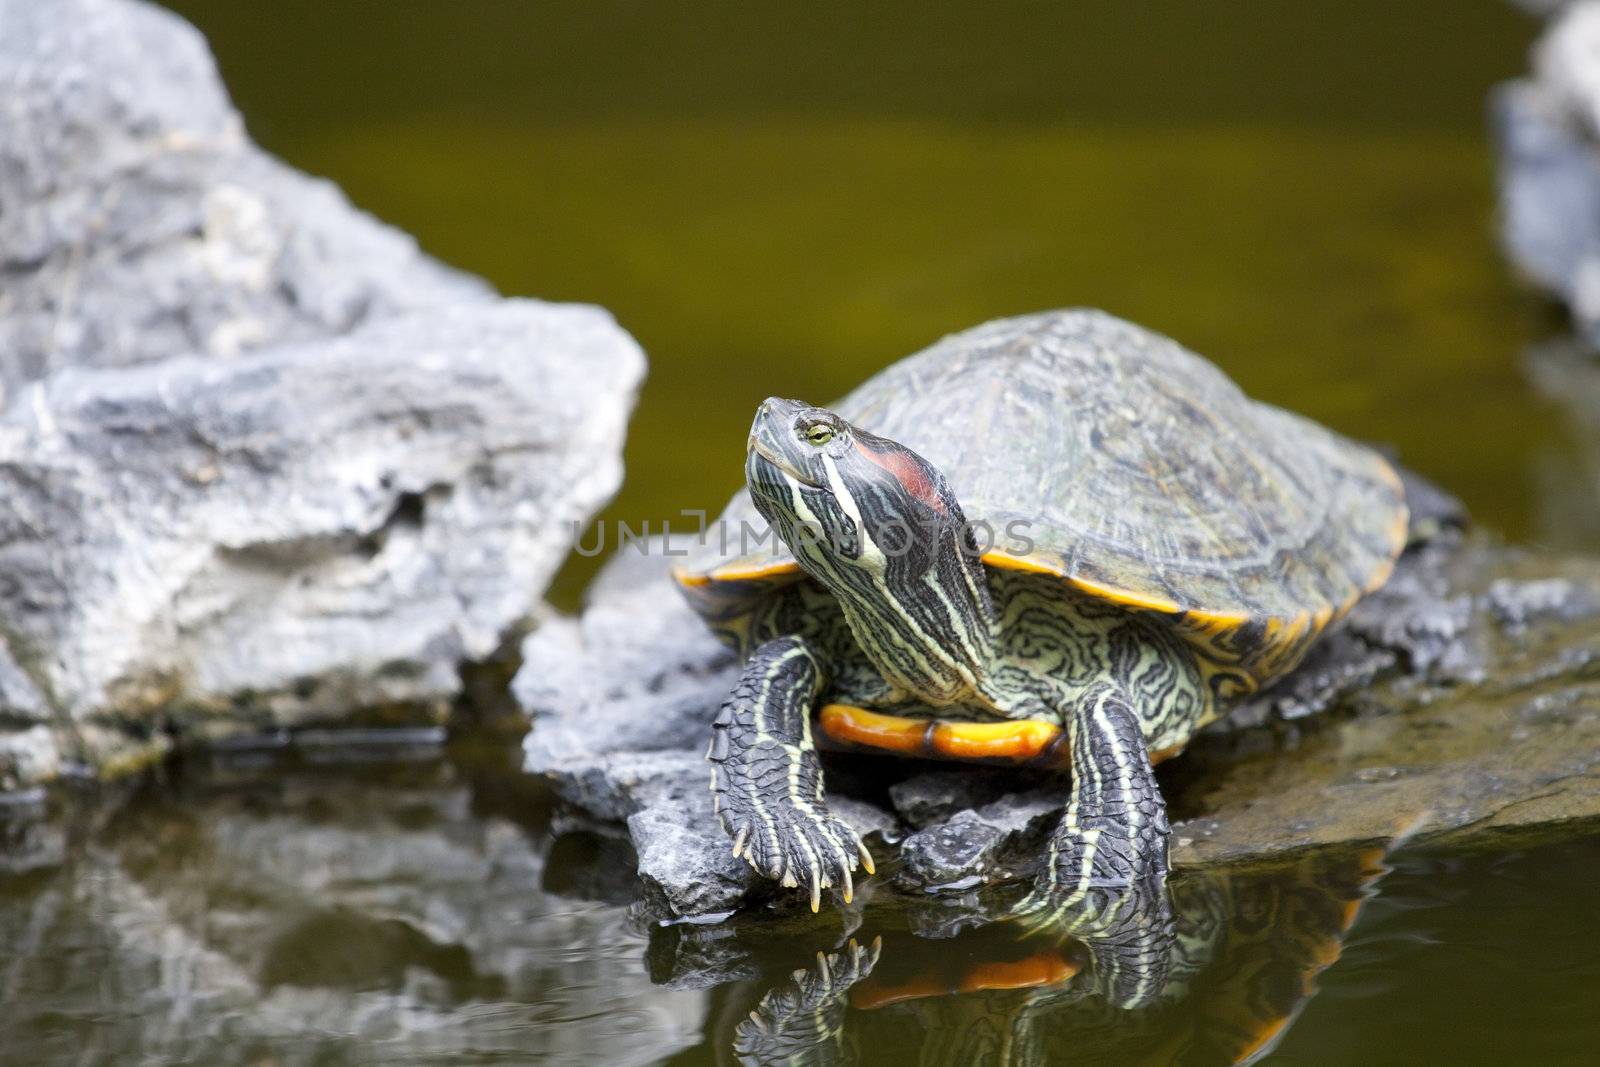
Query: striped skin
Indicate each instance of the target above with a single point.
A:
(881, 530)
(1139, 474)
(766, 781)
(1050, 647)
(1107, 864)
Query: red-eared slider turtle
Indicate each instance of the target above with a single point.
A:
(1057, 538)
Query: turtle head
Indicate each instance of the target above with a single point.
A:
(880, 528)
(839, 496)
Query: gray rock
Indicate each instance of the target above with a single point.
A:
(686, 865)
(975, 846)
(20, 698)
(138, 221)
(28, 756)
(261, 461)
(614, 785)
(1519, 606)
(637, 671)
(312, 527)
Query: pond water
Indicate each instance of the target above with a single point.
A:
(782, 199)
(447, 911)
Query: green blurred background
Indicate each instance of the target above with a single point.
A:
(782, 198)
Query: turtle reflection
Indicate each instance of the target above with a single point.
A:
(1212, 973)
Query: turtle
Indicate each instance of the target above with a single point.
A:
(1058, 539)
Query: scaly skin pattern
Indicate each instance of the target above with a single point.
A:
(803, 1021)
(766, 781)
(1053, 645)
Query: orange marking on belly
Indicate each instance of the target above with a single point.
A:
(858, 726)
(1018, 742)
(871, 994)
(1261, 1039)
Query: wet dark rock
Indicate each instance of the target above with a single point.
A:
(686, 864)
(587, 864)
(933, 796)
(262, 462)
(864, 817)
(977, 845)
(699, 956)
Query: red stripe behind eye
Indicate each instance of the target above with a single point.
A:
(907, 471)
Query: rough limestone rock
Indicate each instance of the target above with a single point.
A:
(310, 523)
(1548, 129)
(137, 221)
(1461, 696)
(262, 462)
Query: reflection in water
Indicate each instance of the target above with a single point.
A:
(320, 919)
(1210, 974)
(437, 914)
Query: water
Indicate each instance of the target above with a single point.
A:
(781, 200)
(445, 911)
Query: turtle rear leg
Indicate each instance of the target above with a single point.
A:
(767, 780)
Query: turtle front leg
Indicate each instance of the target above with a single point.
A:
(1113, 835)
(1105, 871)
(767, 780)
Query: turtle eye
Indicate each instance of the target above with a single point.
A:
(819, 433)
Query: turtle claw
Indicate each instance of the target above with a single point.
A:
(808, 849)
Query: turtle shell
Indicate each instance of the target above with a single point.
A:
(1097, 451)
